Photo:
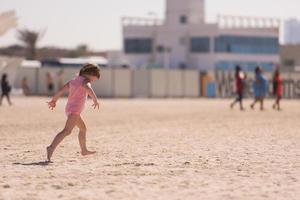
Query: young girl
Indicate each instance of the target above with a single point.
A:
(240, 81)
(79, 88)
(277, 89)
(6, 88)
(260, 87)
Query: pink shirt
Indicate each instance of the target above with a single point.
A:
(77, 96)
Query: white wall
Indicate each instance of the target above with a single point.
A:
(191, 86)
(175, 83)
(141, 83)
(158, 83)
(122, 83)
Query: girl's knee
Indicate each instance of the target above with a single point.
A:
(83, 130)
(67, 132)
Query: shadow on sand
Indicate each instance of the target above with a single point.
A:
(41, 163)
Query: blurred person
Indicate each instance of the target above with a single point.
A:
(277, 89)
(260, 88)
(240, 85)
(50, 83)
(79, 88)
(6, 89)
(25, 87)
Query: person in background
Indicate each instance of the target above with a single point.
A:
(260, 87)
(6, 89)
(25, 87)
(50, 83)
(277, 88)
(240, 84)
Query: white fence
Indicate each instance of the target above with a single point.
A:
(123, 83)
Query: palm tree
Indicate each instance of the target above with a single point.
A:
(30, 39)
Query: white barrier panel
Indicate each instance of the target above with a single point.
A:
(191, 86)
(175, 83)
(158, 83)
(104, 87)
(122, 83)
(141, 83)
(30, 74)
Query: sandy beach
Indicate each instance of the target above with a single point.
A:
(152, 149)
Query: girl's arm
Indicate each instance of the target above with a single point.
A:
(57, 95)
(87, 85)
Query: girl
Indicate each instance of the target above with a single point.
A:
(260, 87)
(277, 88)
(79, 88)
(240, 79)
(6, 88)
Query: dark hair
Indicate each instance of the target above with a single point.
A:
(90, 69)
(276, 73)
(258, 69)
(237, 70)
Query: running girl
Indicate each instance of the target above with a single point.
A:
(79, 88)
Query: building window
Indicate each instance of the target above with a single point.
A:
(138, 45)
(183, 19)
(247, 66)
(289, 62)
(160, 48)
(246, 45)
(200, 45)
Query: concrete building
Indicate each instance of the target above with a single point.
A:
(184, 39)
(292, 31)
(290, 57)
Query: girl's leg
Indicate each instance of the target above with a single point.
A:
(233, 103)
(70, 124)
(278, 102)
(8, 99)
(82, 138)
(253, 104)
(1, 99)
(262, 103)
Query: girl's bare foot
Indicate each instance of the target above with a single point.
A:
(49, 153)
(86, 153)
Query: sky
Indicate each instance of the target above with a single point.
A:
(97, 23)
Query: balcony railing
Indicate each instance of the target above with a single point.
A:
(230, 22)
(139, 21)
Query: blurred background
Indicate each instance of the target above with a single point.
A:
(156, 49)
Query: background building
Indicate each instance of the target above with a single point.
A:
(185, 40)
(291, 31)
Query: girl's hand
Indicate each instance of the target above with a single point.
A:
(51, 104)
(96, 105)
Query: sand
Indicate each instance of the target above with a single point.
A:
(152, 149)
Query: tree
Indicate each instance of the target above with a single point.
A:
(30, 39)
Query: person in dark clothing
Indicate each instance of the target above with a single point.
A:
(6, 88)
(240, 83)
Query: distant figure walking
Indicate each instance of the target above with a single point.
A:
(25, 87)
(240, 85)
(260, 87)
(50, 83)
(6, 88)
(277, 89)
(79, 88)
